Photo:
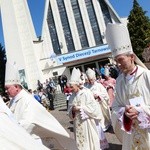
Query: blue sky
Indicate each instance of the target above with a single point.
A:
(123, 7)
(36, 7)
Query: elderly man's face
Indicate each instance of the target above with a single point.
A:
(11, 90)
(74, 88)
(91, 81)
(125, 63)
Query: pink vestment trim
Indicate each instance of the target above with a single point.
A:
(143, 118)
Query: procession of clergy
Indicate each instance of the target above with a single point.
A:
(26, 125)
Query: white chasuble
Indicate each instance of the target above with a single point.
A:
(39, 123)
(86, 133)
(131, 93)
(99, 90)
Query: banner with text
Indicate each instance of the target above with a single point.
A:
(82, 54)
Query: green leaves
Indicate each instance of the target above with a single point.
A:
(139, 29)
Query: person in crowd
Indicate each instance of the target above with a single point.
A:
(33, 117)
(47, 83)
(68, 93)
(102, 71)
(86, 114)
(99, 79)
(64, 80)
(52, 85)
(60, 82)
(106, 71)
(43, 97)
(44, 85)
(100, 94)
(39, 84)
(97, 73)
(36, 96)
(13, 136)
(50, 98)
(131, 107)
(114, 71)
(109, 83)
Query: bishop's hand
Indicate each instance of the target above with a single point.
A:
(131, 112)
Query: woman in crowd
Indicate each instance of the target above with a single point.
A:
(109, 83)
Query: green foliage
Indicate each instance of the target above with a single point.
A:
(139, 29)
(2, 67)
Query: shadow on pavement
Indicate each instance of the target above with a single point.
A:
(62, 109)
(71, 122)
(71, 129)
(114, 147)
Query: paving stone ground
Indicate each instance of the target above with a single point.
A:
(61, 115)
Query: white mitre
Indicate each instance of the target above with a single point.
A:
(81, 80)
(11, 75)
(91, 74)
(118, 39)
(75, 76)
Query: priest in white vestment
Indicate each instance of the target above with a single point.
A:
(33, 117)
(131, 107)
(85, 113)
(13, 136)
(101, 96)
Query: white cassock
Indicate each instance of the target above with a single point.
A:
(138, 138)
(99, 90)
(39, 123)
(13, 136)
(86, 134)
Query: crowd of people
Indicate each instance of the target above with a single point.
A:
(45, 93)
(95, 101)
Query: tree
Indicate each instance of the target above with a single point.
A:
(139, 29)
(2, 67)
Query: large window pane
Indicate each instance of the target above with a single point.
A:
(65, 24)
(53, 32)
(79, 23)
(93, 21)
